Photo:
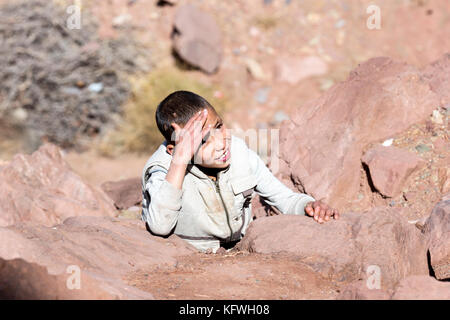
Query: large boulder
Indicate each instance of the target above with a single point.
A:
(197, 38)
(347, 249)
(438, 75)
(390, 168)
(124, 193)
(437, 228)
(37, 284)
(103, 248)
(322, 145)
(42, 188)
(422, 288)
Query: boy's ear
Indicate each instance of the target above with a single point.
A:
(169, 148)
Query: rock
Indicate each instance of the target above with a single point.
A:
(422, 148)
(422, 288)
(124, 193)
(321, 146)
(104, 248)
(438, 75)
(444, 179)
(359, 290)
(262, 95)
(255, 70)
(437, 117)
(437, 228)
(279, 117)
(37, 284)
(42, 188)
(294, 69)
(440, 145)
(344, 249)
(197, 38)
(390, 168)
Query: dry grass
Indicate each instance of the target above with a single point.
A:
(137, 131)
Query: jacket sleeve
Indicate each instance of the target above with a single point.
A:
(274, 192)
(161, 202)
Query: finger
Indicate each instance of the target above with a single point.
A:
(316, 212)
(199, 123)
(192, 119)
(328, 214)
(309, 210)
(336, 214)
(322, 215)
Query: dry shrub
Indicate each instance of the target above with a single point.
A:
(137, 131)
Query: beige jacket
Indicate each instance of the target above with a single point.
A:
(205, 212)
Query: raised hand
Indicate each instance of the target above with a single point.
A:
(189, 138)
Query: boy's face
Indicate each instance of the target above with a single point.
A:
(215, 152)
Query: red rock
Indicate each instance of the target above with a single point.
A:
(343, 249)
(42, 188)
(105, 249)
(197, 38)
(359, 290)
(37, 284)
(390, 168)
(124, 193)
(422, 288)
(438, 75)
(294, 69)
(321, 146)
(437, 228)
(444, 179)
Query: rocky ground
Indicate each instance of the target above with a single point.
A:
(367, 134)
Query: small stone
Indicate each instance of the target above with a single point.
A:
(120, 20)
(340, 24)
(255, 70)
(262, 95)
(390, 168)
(421, 148)
(95, 87)
(314, 18)
(280, 116)
(254, 31)
(292, 69)
(388, 143)
(326, 84)
(437, 117)
(20, 114)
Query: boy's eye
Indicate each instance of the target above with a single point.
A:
(219, 125)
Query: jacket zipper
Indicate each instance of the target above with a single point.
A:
(216, 182)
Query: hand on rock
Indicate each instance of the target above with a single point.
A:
(320, 211)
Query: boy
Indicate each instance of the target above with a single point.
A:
(199, 183)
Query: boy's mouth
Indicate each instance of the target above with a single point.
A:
(225, 156)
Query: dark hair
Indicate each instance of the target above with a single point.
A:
(178, 107)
